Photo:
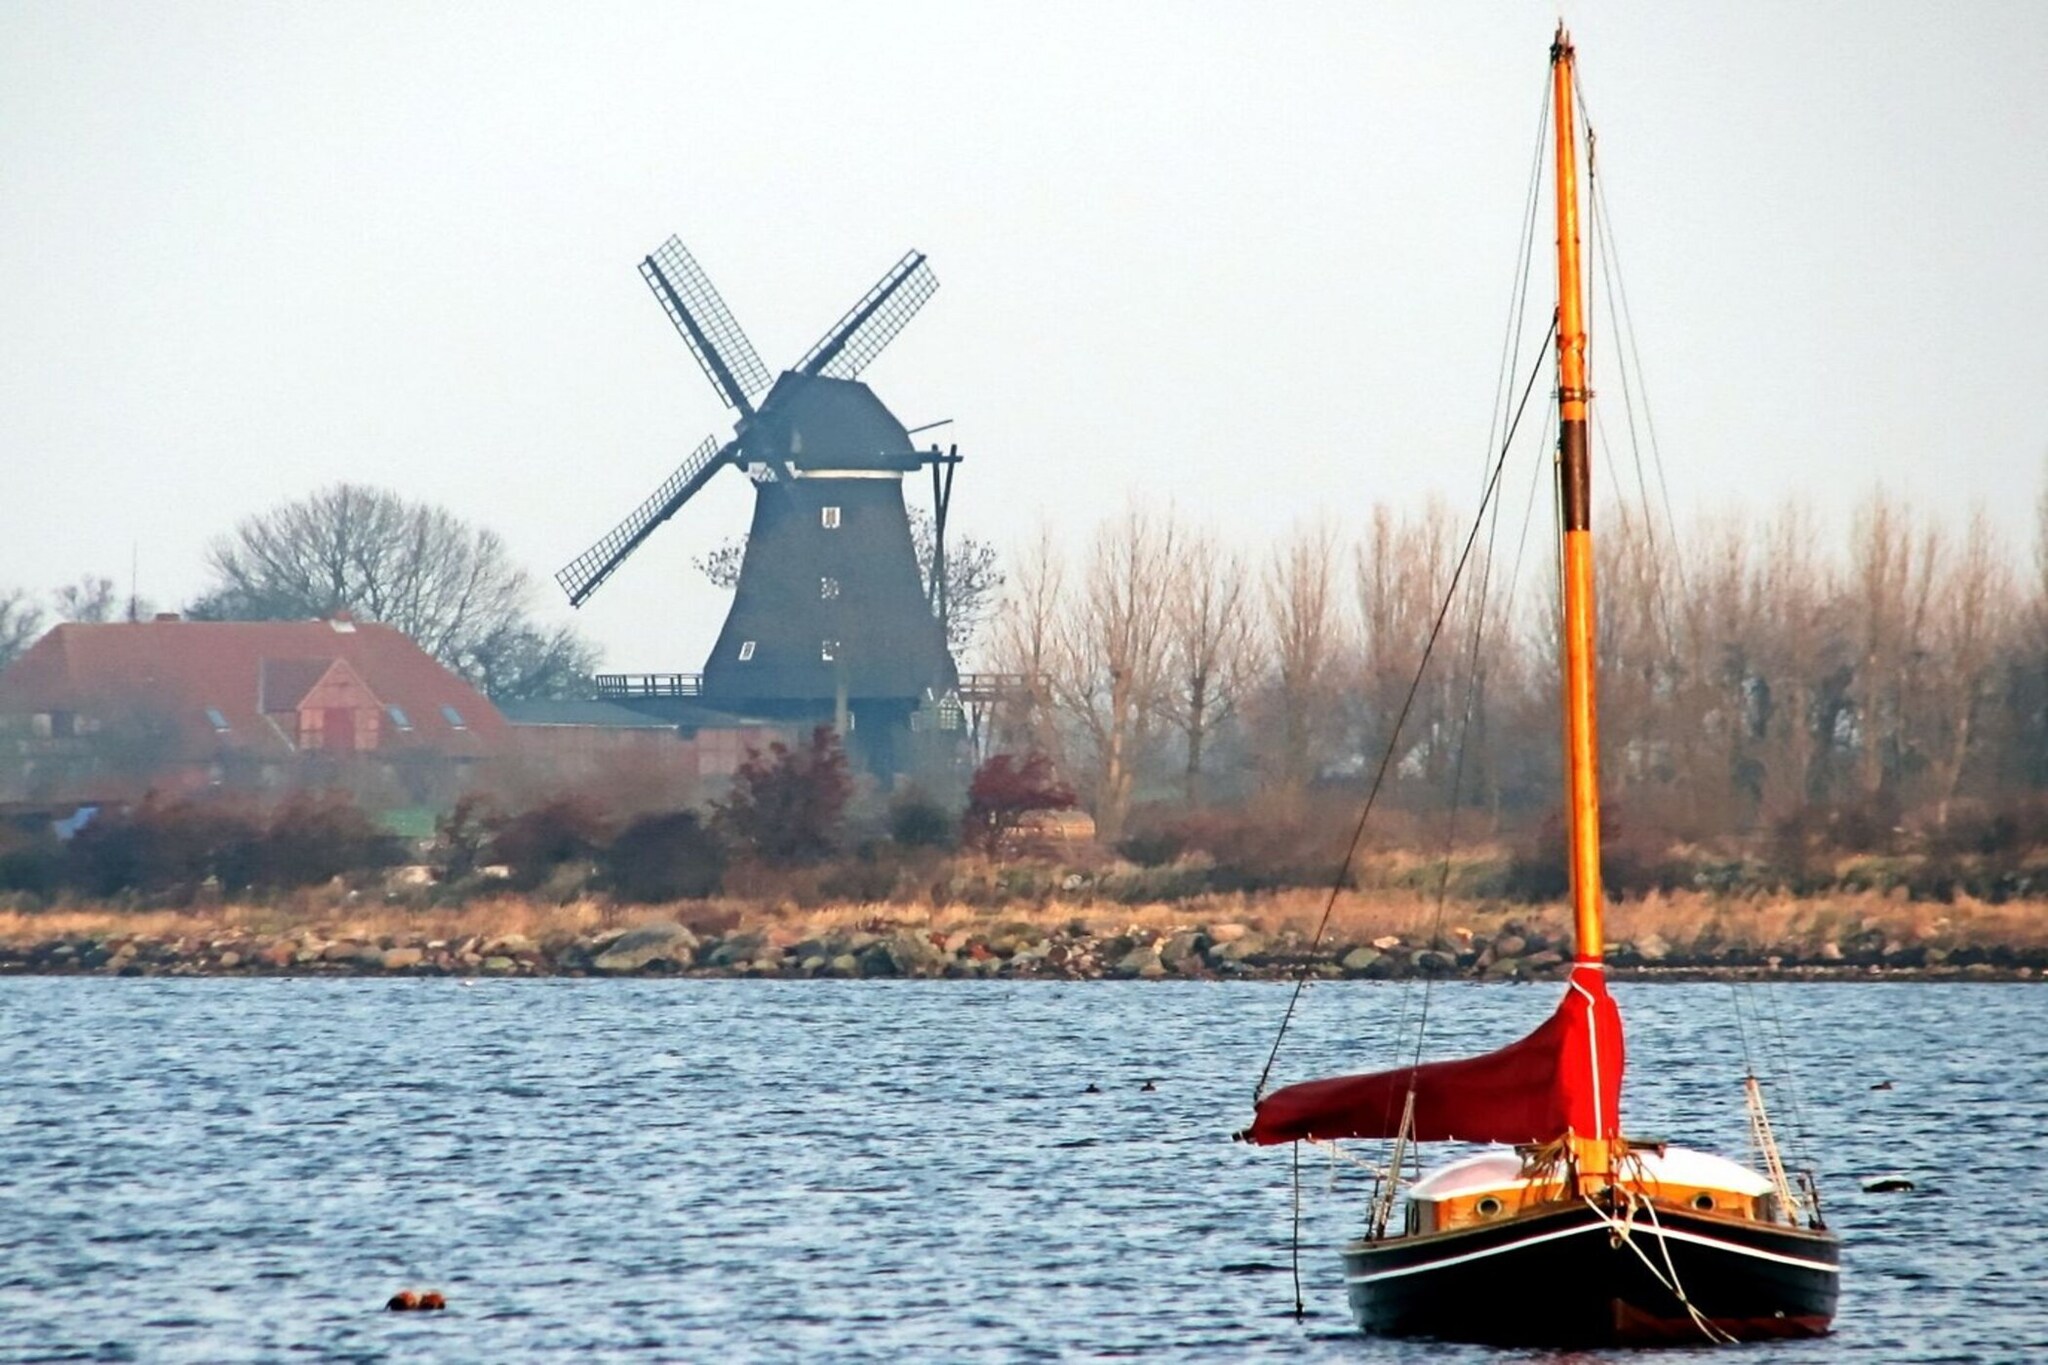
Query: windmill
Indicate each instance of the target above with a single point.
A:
(829, 618)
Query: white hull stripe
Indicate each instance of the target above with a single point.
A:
(1734, 1248)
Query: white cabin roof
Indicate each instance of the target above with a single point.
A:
(1676, 1166)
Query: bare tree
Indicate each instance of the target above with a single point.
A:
(974, 578)
(1109, 671)
(92, 600)
(1027, 645)
(21, 623)
(1801, 661)
(1209, 619)
(1404, 568)
(1893, 568)
(527, 660)
(1304, 634)
(450, 586)
(1975, 608)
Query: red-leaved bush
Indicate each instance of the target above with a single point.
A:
(1005, 790)
(785, 806)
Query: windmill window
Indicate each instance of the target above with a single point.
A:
(829, 517)
(828, 589)
(828, 650)
(398, 717)
(746, 650)
(218, 721)
(452, 716)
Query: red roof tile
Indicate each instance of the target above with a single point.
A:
(183, 669)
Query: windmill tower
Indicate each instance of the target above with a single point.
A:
(830, 620)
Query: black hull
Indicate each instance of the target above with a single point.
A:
(1564, 1277)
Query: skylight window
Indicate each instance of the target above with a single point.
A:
(218, 721)
(398, 717)
(828, 650)
(746, 650)
(453, 716)
(829, 517)
(828, 589)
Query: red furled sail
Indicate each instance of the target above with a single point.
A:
(1564, 1077)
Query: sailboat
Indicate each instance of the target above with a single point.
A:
(1574, 1234)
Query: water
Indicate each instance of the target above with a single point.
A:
(231, 1170)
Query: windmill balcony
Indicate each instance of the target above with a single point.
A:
(616, 686)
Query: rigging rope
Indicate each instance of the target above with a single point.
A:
(1511, 422)
(1299, 1307)
(1510, 364)
(1628, 361)
(1394, 737)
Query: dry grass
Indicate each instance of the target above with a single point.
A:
(1680, 919)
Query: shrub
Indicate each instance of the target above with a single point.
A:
(785, 806)
(313, 839)
(534, 843)
(461, 837)
(917, 821)
(665, 857)
(164, 847)
(30, 861)
(1004, 791)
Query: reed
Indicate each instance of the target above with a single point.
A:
(1763, 923)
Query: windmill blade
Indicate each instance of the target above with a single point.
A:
(874, 322)
(728, 359)
(581, 576)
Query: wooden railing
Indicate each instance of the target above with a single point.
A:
(612, 686)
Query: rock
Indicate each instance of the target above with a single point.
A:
(509, 945)
(398, 959)
(1181, 948)
(1359, 960)
(734, 950)
(1386, 943)
(498, 962)
(1651, 947)
(1140, 962)
(230, 960)
(1504, 967)
(846, 964)
(632, 951)
(1510, 945)
(876, 960)
(1227, 933)
(1831, 951)
(1238, 949)
(1433, 962)
(1888, 1184)
(914, 954)
(278, 955)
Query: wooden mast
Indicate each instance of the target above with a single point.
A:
(1575, 494)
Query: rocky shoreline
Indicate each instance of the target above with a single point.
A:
(1005, 951)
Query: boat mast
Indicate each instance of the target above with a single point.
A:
(1575, 492)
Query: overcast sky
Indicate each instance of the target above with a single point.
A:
(1251, 258)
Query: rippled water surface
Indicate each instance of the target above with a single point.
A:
(693, 1170)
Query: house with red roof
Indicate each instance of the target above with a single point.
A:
(108, 712)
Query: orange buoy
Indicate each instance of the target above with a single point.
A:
(431, 1301)
(404, 1301)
